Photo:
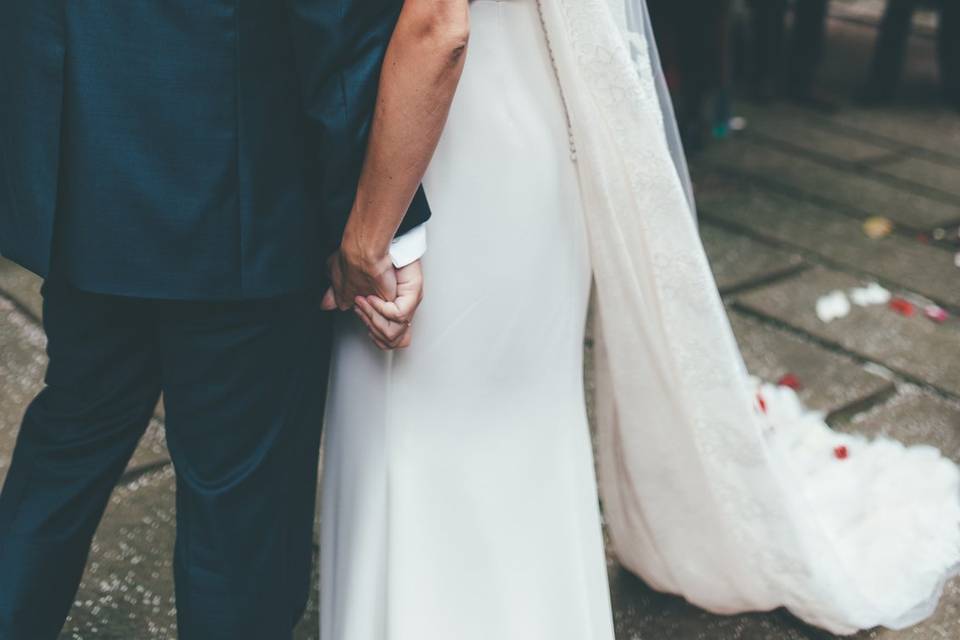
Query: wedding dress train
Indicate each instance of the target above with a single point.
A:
(458, 493)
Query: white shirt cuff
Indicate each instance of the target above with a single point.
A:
(409, 247)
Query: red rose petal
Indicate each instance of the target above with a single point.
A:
(790, 380)
(841, 452)
(937, 314)
(901, 306)
(762, 403)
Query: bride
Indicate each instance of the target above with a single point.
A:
(459, 498)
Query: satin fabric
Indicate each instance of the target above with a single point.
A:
(459, 498)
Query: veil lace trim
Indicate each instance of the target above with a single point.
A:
(704, 496)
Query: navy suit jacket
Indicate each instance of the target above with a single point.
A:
(185, 149)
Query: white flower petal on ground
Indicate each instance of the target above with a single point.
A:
(871, 294)
(832, 306)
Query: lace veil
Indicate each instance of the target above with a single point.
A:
(696, 499)
(633, 18)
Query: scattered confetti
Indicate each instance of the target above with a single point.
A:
(832, 306)
(901, 306)
(924, 238)
(939, 234)
(877, 227)
(956, 260)
(841, 452)
(873, 293)
(935, 313)
(791, 381)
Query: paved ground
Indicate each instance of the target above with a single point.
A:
(782, 207)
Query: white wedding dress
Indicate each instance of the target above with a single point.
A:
(459, 498)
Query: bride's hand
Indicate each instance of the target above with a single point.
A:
(389, 322)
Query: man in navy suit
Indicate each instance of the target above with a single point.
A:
(191, 178)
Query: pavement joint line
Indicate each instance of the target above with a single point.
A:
(905, 232)
(828, 124)
(856, 407)
(910, 150)
(884, 159)
(900, 376)
(764, 139)
(825, 159)
(861, 169)
(783, 189)
(853, 407)
(818, 259)
(790, 191)
(778, 187)
(763, 280)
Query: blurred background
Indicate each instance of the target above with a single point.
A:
(824, 139)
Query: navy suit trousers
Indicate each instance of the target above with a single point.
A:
(244, 385)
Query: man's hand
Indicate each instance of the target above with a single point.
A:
(389, 322)
(353, 276)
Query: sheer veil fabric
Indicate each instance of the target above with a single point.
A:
(705, 495)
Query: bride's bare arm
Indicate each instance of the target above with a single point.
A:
(420, 74)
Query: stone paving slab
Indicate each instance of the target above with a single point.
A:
(738, 261)
(929, 173)
(897, 259)
(21, 286)
(927, 128)
(22, 366)
(831, 382)
(857, 192)
(915, 347)
(793, 126)
(127, 591)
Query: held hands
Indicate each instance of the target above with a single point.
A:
(355, 273)
(389, 322)
(384, 298)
